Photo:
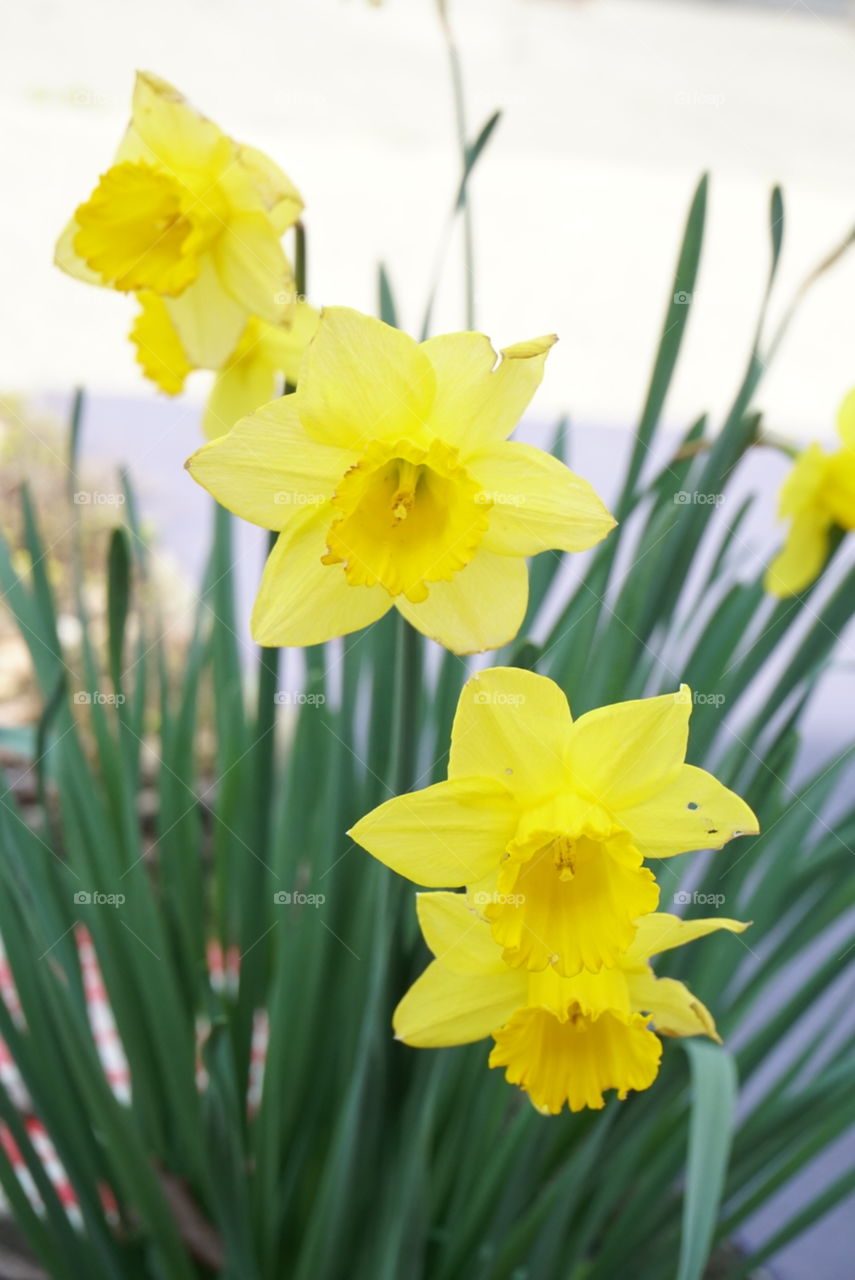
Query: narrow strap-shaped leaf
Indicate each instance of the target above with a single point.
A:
(714, 1089)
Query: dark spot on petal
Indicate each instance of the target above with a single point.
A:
(691, 805)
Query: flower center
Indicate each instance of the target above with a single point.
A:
(406, 516)
(142, 229)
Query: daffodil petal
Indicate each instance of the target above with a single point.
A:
(846, 420)
(69, 260)
(447, 835)
(268, 471)
(802, 556)
(694, 811)
(456, 934)
(443, 1008)
(207, 319)
(511, 725)
(159, 351)
(476, 402)
(174, 133)
(302, 601)
(254, 180)
(660, 931)
(238, 390)
(363, 380)
(482, 607)
(285, 345)
(536, 503)
(253, 268)
(672, 1006)
(592, 993)
(622, 754)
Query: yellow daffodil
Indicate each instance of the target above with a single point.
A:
(186, 213)
(390, 479)
(249, 378)
(560, 1039)
(547, 820)
(818, 494)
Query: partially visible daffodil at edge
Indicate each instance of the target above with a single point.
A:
(548, 820)
(250, 377)
(391, 481)
(818, 494)
(560, 1039)
(191, 216)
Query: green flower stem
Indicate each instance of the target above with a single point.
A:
(257, 881)
(408, 668)
(456, 69)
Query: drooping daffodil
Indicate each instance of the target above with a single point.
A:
(188, 214)
(560, 1039)
(548, 820)
(391, 481)
(251, 376)
(817, 495)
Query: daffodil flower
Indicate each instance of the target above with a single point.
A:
(560, 1039)
(548, 820)
(250, 376)
(186, 213)
(390, 479)
(818, 494)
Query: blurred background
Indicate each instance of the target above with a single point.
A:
(611, 110)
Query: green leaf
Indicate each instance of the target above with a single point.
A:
(714, 1087)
